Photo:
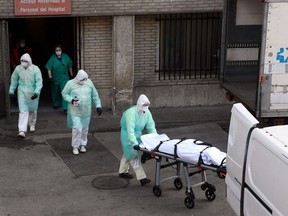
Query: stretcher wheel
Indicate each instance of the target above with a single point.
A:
(210, 195)
(157, 191)
(178, 183)
(203, 187)
(189, 202)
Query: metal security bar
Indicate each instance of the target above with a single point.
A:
(189, 46)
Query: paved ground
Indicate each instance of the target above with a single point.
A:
(37, 179)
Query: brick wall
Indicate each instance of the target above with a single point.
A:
(97, 54)
(127, 7)
(146, 50)
(98, 50)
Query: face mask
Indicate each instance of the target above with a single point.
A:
(22, 45)
(24, 64)
(58, 53)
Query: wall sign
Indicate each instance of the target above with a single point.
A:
(42, 7)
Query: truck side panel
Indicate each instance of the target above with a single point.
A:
(274, 62)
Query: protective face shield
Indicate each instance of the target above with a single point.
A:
(143, 103)
(81, 77)
(26, 60)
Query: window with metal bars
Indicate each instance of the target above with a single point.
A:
(189, 46)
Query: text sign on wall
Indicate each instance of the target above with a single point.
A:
(42, 7)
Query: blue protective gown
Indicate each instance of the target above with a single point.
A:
(29, 82)
(132, 125)
(86, 93)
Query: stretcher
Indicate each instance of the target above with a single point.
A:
(184, 155)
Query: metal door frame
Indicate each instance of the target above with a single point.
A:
(6, 65)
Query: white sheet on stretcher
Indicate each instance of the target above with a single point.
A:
(187, 150)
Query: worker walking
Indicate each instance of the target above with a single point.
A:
(58, 67)
(80, 93)
(134, 120)
(28, 78)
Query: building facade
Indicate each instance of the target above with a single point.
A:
(169, 50)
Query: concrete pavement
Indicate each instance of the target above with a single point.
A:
(36, 181)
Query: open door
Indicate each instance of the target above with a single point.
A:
(5, 64)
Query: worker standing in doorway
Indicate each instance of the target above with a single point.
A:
(20, 49)
(59, 66)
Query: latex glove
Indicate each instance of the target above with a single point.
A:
(75, 102)
(51, 81)
(136, 147)
(34, 97)
(99, 111)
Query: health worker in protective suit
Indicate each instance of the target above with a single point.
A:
(58, 67)
(80, 93)
(134, 120)
(28, 78)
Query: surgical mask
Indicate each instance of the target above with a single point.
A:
(24, 64)
(58, 53)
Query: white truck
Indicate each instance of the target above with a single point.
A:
(255, 57)
(257, 166)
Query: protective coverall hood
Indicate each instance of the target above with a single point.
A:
(143, 103)
(26, 57)
(81, 76)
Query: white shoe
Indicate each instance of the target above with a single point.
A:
(21, 134)
(82, 149)
(32, 128)
(75, 151)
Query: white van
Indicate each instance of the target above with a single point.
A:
(257, 166)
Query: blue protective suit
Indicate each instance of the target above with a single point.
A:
(29, 82)
(82, 89)
(133, 122)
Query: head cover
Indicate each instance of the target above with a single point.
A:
(143, 103)
(81, 76)
(26, 58)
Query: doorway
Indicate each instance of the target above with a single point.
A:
(41, 35)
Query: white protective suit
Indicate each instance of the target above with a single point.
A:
(29, 82)
(79, 114)
(133, 122)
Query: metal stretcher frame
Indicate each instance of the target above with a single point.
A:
(183, 165)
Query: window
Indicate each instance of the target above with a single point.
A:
(189, 46)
